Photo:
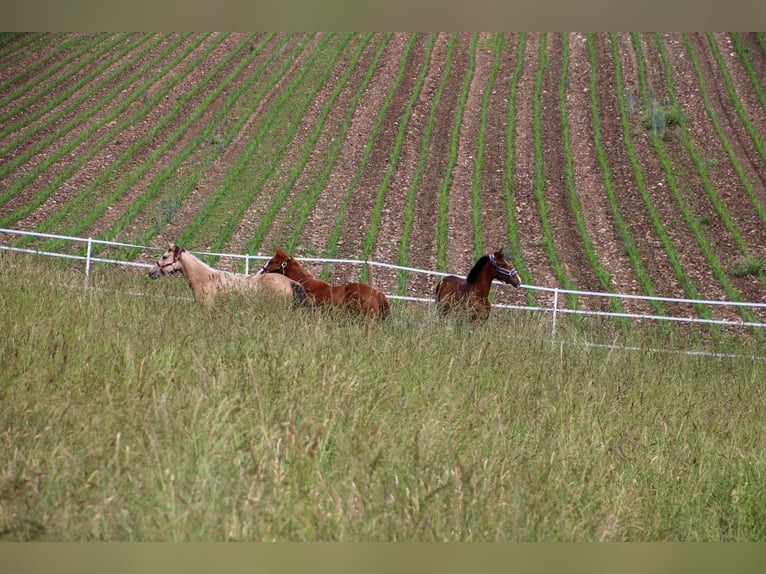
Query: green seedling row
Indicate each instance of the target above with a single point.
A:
(498, 44)
(162, 181)
(337, 230)
(88, 213)
(548, 240)
(26, 93)
(318, 187)
(78, 103)
(513, 233)
(106, 139)
(629, 245)
(409, 205)
(275, 133)
(603, 276)
(266, 222)
(372, 231)
(442, 231)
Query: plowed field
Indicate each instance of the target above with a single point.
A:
(631, 163)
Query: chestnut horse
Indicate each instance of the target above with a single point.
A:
(207, 283)
(358, 298)
(472, 293)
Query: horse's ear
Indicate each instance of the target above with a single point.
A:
(171, 246)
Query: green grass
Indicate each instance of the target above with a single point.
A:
(148, 418)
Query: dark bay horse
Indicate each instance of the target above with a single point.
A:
(207, 283)
(359, 298)
(472, 293)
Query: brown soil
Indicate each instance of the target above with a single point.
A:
(589, 177)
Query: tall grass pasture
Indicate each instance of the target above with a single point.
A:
(126, 417)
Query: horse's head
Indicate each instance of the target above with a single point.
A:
(504, 271)
(168, 263)
(277, 263)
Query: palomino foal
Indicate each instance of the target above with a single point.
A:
(207, 283)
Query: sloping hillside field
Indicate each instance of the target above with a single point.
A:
(628, 163)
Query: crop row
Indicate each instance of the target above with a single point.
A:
(303, 210)
(276, 130)
(409, 204)
(158, 195)
(82, 211)
(112, 132)
(600, 271)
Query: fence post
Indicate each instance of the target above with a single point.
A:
(87, 263)
(555, 308)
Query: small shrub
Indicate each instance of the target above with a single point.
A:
(659, 117)
(170, 207)
(748, 265)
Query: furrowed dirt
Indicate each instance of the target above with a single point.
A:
(44, 192)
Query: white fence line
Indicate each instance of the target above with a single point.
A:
(554, 310)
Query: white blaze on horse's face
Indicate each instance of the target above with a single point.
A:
(276, 264)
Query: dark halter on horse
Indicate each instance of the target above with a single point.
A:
(176, 252)
(510, 274)
(281, 267)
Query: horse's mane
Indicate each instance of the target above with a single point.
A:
(473, 274)
(203, 264)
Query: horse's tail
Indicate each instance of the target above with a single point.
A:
(384, 307)
(300, 297)
(436, 289)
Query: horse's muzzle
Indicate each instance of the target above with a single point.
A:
(511, 277)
